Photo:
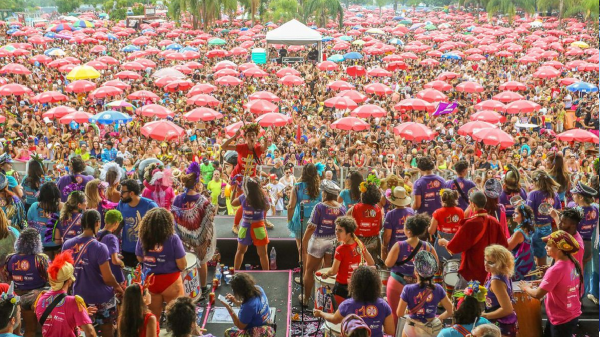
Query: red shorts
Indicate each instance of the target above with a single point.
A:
(161, 282)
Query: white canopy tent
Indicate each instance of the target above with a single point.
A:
(295, 33)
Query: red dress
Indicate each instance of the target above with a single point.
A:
(146, 318)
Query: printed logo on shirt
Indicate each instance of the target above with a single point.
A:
(591, 215)
(433, 184)
(22, 265)
(157, 249)
(150, 259)
(79, 179)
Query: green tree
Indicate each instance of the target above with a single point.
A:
(509, 7)
(587, 8)
(380, 4)
(13, 5)
(322, 10)
(65, 6)
(283, 10)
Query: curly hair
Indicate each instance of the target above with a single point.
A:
(156, 227)
(505, 262)
(77, 164)
(372, 195)
(365, 285)
(29, 242)
(425, 163)
(310, 177)
(461, 166)
(49, 198)
(181, 315)
(347, 223)
(252, 127)
(244, 287)
(418, 224)
(355, 179)
(449, 198)
(72, 205)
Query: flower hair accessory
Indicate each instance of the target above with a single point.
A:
(473, 289)
(442, 191)
(10, 295)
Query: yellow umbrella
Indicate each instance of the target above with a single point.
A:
(83, 72)
(376, 31)
(580, 44)
(358, 42)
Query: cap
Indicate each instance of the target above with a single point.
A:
(563, 241)
(425, 264)
(273, 176)
(584, 190)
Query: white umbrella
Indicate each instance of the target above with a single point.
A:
(169, 72)
(526, 125)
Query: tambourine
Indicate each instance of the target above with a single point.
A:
(545, 208)
(516, 200)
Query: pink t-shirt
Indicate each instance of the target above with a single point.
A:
(64, 319)
(579, 255)
(561, 281)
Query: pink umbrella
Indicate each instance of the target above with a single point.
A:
(132, 66)
(438, 85)
(513, 86)
(117, 84)
(224, 65)
(152, 110)
(353, 95)
(226, 72)
(143, 95)
(415, 132)
(260, 106)
(447, 75)
(491, 104)
(291, 80)
(202, 114)
(272, 119)
(415, 104)
(369, 110)
(432, 95)
(178, 85)
(507, 96)
(494, 137)
(546, 72)
(488, 116)
(58, 112)
(568, 81)
(42, 59)
(162, 130)
(378, 72)
(470, 127)
(522, 106)
(429, 63)
(105, 91)
(128, 75)
(340, 85)
(378, 89)
(264, 95)
(396, 65)
(578, 135)
(328, 66)
(255, 72)
(355, 71)
(97, 65)
(470, 87)
(14, 89)
(202, 88)
(15, 68)
(340, 103)
(350, 124)
(80, 86)
(49, 97)
(203, 100)
(77, 116)
(228, 80)
(287, 71)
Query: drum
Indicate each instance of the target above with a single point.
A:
(332, 330)
(450, 273)
(529, 313)
(324, 291)
(191, 279)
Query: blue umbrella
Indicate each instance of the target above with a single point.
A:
(244, 29)
(12, 31)
(327, 38)
(14, 26)
(450, 56)
(188, 49)
(147, 30)
(112, 36)
(51, 35)
(582, 87)
(346, 38)
(398, 18)
(357, 27)
(109, 117)
(396, 41)
(48, 51)
(353, 56)
(174, 46)
(130, 48)
(336, 58)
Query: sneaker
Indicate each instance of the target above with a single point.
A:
(298, 280)
(593, 299)
(235, 230)
(269, 224)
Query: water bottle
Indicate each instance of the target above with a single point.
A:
(273, 259)
(218, 274)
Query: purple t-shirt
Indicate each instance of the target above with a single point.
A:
(323, 217)
(491, 301)
(65, 181)
(162, 259)
(185, 201)
(413, 294)
(24, 271)
(465, 185)
(112, 243)
(70, 228)
(89, 254)
(408, 268)
(250, 214)
(374, 314)
(535, 199)
(394, 221)
(504, 199)
(589, 222)
(428, 188)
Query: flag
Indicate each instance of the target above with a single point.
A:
(445, 108)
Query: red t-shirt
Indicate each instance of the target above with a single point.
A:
(349, 258)
(246, 157)
(368, 218)
(448, 219)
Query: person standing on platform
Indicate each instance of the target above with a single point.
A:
(369, 217)
(460, 184)
(133, 207)
(474, 234)
(426, 190)
(584, 195)
(393, 225)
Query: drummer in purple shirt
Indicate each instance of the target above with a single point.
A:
(163, 256)
(95, 282)
(365, 287)
(393, 225)
(74, 181)
(426, 190)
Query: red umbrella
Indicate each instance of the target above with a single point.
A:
(264, 95)
(415, 132)
(97, 65)
(488, 116)
(448, 75)
(77, 116)
(522, 106)
(260, 106)
(42, 59)
(14, 89)
(355, 71)
(287, 71)
(513, 86)
(578, 135)
(491, 104)
(494, 137)
(132, 66)
(108, 60)
(507, 96)
(568, 81)
(80, 86)
(340, 103)
(58, 112)
(58, 63)
(152, 110)
(161, 82)
(128, 75)
(202, 114)
(353, 95)
(272, 119)
(546, 72)
(414, 104)
(228, 80)
(469, 87)
(429, 63)
(255, 72)
(396, 65)
(224, 65)
(162, 130)
(470, 127)
(15, 68)
(117, 84)
(226, 72)
(369, 110)
(178, 85)
(202, 88)
(378, 89)
(328, 66)
(438, 85)
(291, 80)
(49, 97)
(340, 85)
(350, 124)
(143, 95)
(2, 119)
(378, 72)
(432, 95)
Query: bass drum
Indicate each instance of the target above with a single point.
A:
(529, 313)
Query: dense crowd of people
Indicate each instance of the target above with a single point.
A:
(96, 231)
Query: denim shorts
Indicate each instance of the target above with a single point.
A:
(539, 247)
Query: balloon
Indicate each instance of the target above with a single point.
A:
(37, 64)
(74, 125)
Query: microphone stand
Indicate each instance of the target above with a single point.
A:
(301, 269)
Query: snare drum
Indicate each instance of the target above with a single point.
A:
(323, 291)
(332, 330)
(450, 274)
(529, 313)
(191, 279)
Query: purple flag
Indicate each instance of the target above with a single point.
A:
(445, 108)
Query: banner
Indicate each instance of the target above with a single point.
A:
(445, 108)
